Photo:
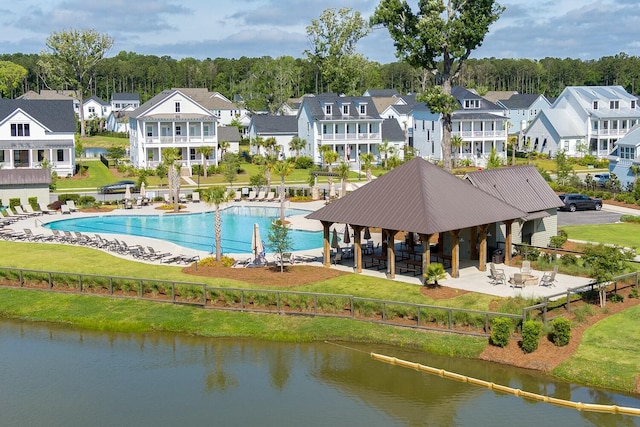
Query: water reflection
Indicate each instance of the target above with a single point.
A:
(53, 375)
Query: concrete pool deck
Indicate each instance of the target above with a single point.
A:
(471, 279)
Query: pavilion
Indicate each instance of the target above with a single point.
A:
(421, 198)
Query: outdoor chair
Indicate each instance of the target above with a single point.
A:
(497, 275)
(195, 197)
(526, 267)
(260, 197)
(155, 255)
(20, 212)
(64, 209)
(337, 258)
(549, 277)
(270, 196)
(28, 209)
(45, 209)
(72, 206)
(287, 257)
(517, 281)
(251, 197)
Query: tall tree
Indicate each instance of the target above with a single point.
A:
(216, 196)
(205, 152)
(170, 157)
(11, 75)
(343, 170)
(282, 169)
(333, 38)
(439, 38)
(71, 59)
(329, 156)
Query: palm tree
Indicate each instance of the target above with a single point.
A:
(296, 144)
(205, 153)
(456, 143)
(343, 170)
(216, 196)
(271, 144)
(169, 157)
(366, 159)
(283, 169)
(257, 142)
(385, 149)
(268, 167)
(224, 146)
(329, 156)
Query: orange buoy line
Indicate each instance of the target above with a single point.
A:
(614, 409)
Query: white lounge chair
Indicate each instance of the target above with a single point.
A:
(497, 275)
(72, 206)
(20, 212)
(64, 209)
(45, 209)
(28, 209)
(252, 196)
(260, 197)
(271, 195)
(195, 197)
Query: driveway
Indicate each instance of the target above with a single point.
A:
(587, 217)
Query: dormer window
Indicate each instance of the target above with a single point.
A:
(471, 103)
(363, 109)
(595, 105)
(614, 105)
(177, 107)
(345, 109)
(327, 109)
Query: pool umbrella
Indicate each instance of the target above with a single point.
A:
(256, 241)
(335, 244)
(367, 234)
(127, 193)
(143, 191)
(346, 239)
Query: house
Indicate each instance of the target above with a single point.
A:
(525, 189)
(480, 124)
(118, 121)
(124, 101)
(171, 119)
(496, 95)
(282, 128)
(24, 184)
(522, 109)
(426, 134)
(229, 134)
(220, 106)
(95, 108)
(584, 119)
(36, 131)
(625, 155)
(291, 107)
(59, 95)
(349, 124)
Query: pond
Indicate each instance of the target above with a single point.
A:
(58, 376)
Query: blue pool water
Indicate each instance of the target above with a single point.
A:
(196, 231)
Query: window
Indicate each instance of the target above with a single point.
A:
(363, 109)
(595, 105)
(1, 156)
(178, 130)
(471, 103)
(345, 109)
(614, 105)
(205, 130)
(177, 107)
(633, 105)
(40, 156)
(60, 155)
(324, 129)
(149, 130)
(192, 153)
(20, 129)
(92, 110)
(627, 152)
(327, 109)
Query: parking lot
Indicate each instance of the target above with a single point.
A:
(587, 217)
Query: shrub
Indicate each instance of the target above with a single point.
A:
(630, 218)
(304, 162)
(569, 259)
(633, 293)
(14, 201)
(531, 331)
(86, 200)
(62, 198)
(561, 333)
(559, 240)
(616, 298)
(501, 328)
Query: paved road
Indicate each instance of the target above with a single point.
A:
(587, 217)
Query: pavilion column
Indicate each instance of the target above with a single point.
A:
(482, 246)
(455, 253)
(391, 253)
(426, 253)
(326, 261)
(383, 249)
(507, 243)
(357, 247)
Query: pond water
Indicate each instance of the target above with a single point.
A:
(94, 152)
(57, 376)
(196, 231)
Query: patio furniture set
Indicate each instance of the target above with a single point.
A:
(523, 278)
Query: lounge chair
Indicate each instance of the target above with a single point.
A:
(195, 197)
(287, 257)
(497, 275)
(33, 237)
(72, 206)
(28, 209)
(155, 255)
(45, 209)
(549, 277)
(526, 267)
(167, 199)
(20, 212)
(64, 209)
(271, 195)
(241, 263)
(337, 258)
(518, 280)
(182, 198)
(251, 197)
(260, 197)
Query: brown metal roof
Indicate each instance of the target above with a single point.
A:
(9, 177)
(419, 197)
(521, 186)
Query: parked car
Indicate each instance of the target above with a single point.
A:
(601, 179)
(578, 202)
(119, 187)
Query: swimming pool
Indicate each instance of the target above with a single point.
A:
(196, 231)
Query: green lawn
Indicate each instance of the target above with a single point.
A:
(104, 142)
(624, 234)
(97, 175)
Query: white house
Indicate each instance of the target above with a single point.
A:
(124, 101)
(33, 131)
(282, 128)
(220, 106)
(171, 120)
(522, 108)
(584, 119)
(59, 95)
(349, 124)
(95, 108)
(426, 134)
(626, 154)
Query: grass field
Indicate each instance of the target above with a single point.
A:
(624, 234)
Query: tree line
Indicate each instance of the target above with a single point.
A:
(265, 82)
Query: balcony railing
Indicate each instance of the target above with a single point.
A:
(348, 136)
(597, 132)
(179, 139)
(480, 133)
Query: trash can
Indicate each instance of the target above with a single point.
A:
(497, 256)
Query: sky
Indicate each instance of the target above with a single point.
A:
(534, 29)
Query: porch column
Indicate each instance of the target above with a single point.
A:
(507, 242)
(391, 253)
(426, 253)
(455, 253)
(482, 263)
(357, 247)
(326, 261)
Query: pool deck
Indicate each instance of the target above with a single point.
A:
(471, 279)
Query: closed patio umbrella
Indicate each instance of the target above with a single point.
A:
(335, 243)
(367, 234)
(127, 193)
(256, 241)
(143, 191)
(346, 239)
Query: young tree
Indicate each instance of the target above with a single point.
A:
(11, 75)
(162, 171)
(333, 38)
(439, 38)
(604, 262)
(456, 143)
(385, 150)
(282, 169)
(205, 153)
(70, 60)
(329, 157)
(343, 171)
(216, 196)
(170, 156)
(230, 166)
(224, 146)
(116, 153)
(296, 144)
(563, 168)
(494, 161)
(366, 160)
(279, 240)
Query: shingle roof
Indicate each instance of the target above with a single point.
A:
(229, 134)
(392, 131)
(25, 177)
(269, 124)
(316, 105)
(520, 101)
(56, 115)
(97, 99)
(461, 94)
(381, 92)
(419, 197)
(125, 96)
(521, 186)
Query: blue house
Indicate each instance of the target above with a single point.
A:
(624, 155)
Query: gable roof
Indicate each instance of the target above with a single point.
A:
(125, 96)
(315, 107)
(25, 177)
(209, 100)
(381, 92)
(520, 101)
(96, 99)
(521, 186)
(392, 131)
(55, 115)
(229, 134)
(563, 121)
(419, 197)
(461, 94)
(499, 95)
(270, 124)
(145, 108)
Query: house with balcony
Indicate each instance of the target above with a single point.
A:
(625, 156)
(220, 106)
(583, 119)
(481, 125)
(351, 125)
(171, 119)
(522, 108)
(34, 132)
